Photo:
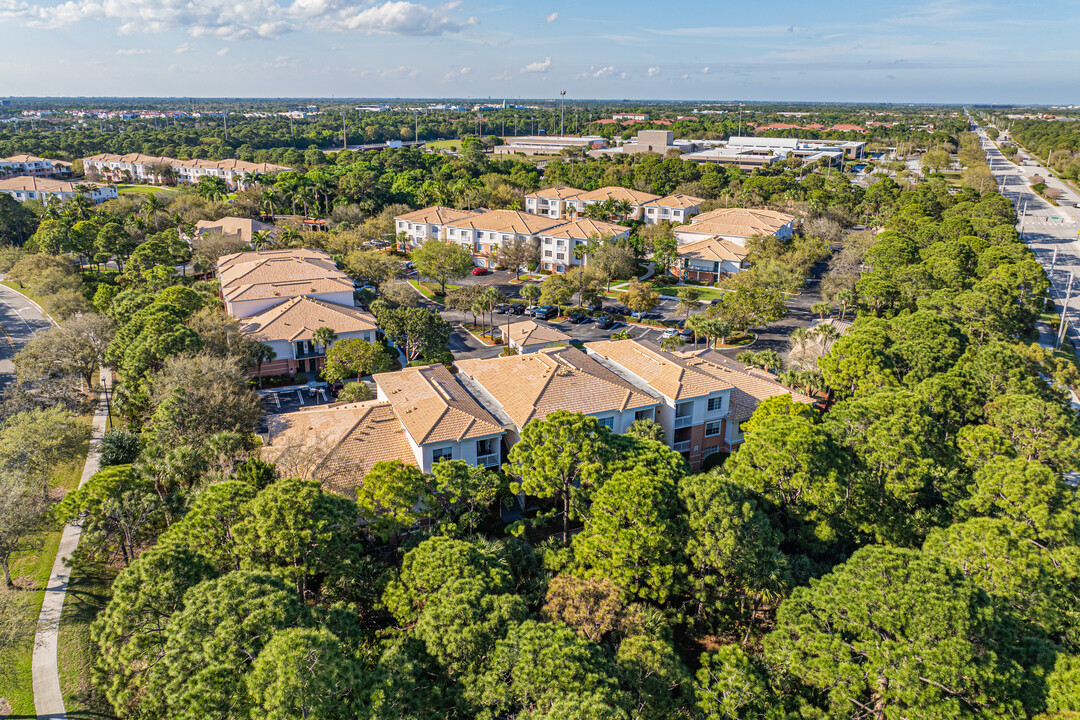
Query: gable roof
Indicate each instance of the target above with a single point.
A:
(713, 249)
(435, 215)
(299, 318)
(269, 270)
(742, 222)
(585, 228)
(245, 227)
(524, 387)
(33, 183)
(511, 221)
(434, 407)
(668, 374)
(530, 332)
(751, 385)
(559, 192)
(337, 444)
(617, 194)
(226, 261)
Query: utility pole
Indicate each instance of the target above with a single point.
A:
(562, 111)
(416, 126)
(1064, 308)
(225, 114)
(344, 136)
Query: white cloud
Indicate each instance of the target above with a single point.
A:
(537, 67)
(705, 70)
(133, 51)
(222, 52)
(654, 71)
(686, 76)
(457, 73)
(243, 19)
(552, 17)
(399, 71)
(604, 72)
(504, 75)
(182, 48)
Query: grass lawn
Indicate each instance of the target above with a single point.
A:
(30, 570)
(145, 190)
(442, 144)
(707, 293)
(428, 289)
(88, 593)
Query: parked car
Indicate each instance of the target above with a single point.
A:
(687, 335)
(503, 309)
(669, 333)
(545, 312)
(605, 322)
(517, 309)
(480, 271)
(578, 318)
(620, 310)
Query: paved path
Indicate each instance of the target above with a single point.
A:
(48, 699)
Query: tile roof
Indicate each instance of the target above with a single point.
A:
(286, 289)
(25, 158)
(230, 164)
(245, 227)
(713, 249)
(279, 273)
(559, 192)
(434, 406)
(751, 385)
(585, 228)
(436, 215)
(676, 201)
(337, 444)
(511, 221)
(668, 374)
(530, 332)
(278, 269)
(299, 318)
(226, 261)
(531, 386)
(31, 183)
(617, 194)
(743, 222)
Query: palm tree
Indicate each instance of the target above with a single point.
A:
(325, 337)
(269, 195)
(624, 208)
(673, 342)
(151, 206)
(491, 296)
(261, 239)
(263, 354)
(623, 335)
(289, 236)
(827, 334)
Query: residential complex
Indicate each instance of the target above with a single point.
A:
(424, 414)
(713, 244)
(139, 168)
(281, 297)
(27, 187)
(34, 166)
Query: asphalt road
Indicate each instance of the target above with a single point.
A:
(1045, 228)
(19, 320)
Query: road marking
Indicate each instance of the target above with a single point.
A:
(301, 396)
(10, 341)
(32, 330)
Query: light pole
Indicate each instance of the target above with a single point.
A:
(416, 129)
(1064, 307)
(562, 113)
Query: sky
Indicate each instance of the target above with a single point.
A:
(947, 51)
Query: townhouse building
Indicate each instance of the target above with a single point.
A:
(28, 187)
(427, 223)
(484, 232)
(33, 166)
(737, 225)
(558, 244)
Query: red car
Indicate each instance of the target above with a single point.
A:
(480, 271)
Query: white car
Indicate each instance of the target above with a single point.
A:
(670, 332)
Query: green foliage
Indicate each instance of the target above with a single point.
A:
(354, 357)
(392, 497)
(729, 686)
(119, 447)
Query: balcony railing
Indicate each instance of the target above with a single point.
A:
(491, 460)
(684, 421)
(683, 446)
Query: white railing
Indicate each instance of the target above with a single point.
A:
(491, 460)
(683, 446)
(685, 421)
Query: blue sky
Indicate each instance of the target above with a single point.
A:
(936, 51)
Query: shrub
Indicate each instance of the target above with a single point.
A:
(119, 447)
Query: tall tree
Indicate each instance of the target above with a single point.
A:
(443, 261)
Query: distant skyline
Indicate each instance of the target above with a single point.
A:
(942, 51)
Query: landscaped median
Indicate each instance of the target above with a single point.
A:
(670, 290)
(480, 332)
(428, 289)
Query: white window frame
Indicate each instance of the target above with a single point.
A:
(437, 454)
(713, 423)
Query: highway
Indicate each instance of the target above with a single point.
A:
(1045, 228)
(19, 320)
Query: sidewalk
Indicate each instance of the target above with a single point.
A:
(48, 699)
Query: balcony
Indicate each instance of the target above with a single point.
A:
(684, 421)
(683, 446)
(491, 460)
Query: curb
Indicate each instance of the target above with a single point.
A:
(39, 308)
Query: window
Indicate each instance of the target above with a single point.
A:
(712, 450)
(608, 422)
(716, 404)
(446, 453)
(547, 253)
(712, 429)
(644, 414)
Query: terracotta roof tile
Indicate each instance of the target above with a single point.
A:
(671, 375)
(299, 318)
(559, 192)
(509, 221)
(436, 214)
(713, 249)
(617, 193)
(530, 332)
(743, 222)
(434, 407)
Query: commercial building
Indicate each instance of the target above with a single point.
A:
(548, 144)
(650, 141)
(140, 168)
(281, 297)
(47, 190)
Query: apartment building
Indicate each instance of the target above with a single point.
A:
(484, 232)
(736, 225)
(140, 168)
(528, 336)
(427, 223)
(281, 297)
(676, 208)
(551, 202)
(28, 187)
(636, 199)
(558, 245)
(705, 396)
(242, 229)
(521, 388)
(709, 259)
(442, 419)
(33, 166)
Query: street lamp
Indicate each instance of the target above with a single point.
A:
(562, 108)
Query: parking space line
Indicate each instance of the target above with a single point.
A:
(277, 399)
(300, 395)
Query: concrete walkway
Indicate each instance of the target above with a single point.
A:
(48, 700)
(649, 271)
